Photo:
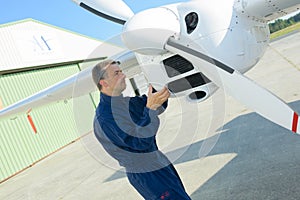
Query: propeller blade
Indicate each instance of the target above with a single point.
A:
(116, 10)
(238, 86)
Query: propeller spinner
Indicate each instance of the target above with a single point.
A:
(148, 31)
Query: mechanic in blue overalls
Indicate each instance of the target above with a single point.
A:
(127, 126)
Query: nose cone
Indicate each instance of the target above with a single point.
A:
(148, 31)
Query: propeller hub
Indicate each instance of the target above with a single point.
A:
(148, 31)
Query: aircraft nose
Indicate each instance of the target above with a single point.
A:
(148, 31)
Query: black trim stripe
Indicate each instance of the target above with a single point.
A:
(105, 16)
(200, 55)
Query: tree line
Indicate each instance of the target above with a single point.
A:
(281, 24)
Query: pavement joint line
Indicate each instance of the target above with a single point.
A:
(77, 185)
(284, 57)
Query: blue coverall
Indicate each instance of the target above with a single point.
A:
(127, 129)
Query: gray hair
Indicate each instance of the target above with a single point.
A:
(99, 70)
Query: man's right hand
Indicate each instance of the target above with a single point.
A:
(156, 99)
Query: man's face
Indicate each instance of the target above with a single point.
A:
(115, 79)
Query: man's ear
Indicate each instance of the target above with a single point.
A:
(103, 83)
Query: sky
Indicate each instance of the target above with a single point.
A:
(68, 15)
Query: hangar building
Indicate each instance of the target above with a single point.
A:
(34, 56)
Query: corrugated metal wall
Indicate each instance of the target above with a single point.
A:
(56, 124)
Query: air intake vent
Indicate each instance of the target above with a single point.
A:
(192, 81)
(197, 95)
(177, 65)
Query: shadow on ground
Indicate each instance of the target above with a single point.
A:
(267, 165)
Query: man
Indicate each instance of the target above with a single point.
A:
(127, 126)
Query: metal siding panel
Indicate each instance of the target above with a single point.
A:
(56, 127)
(8, 49)
(85, 124)
(95, 96)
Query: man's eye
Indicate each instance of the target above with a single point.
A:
(117, 73)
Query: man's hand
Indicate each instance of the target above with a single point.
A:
(156, 99)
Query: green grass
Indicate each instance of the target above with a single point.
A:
(285, 31)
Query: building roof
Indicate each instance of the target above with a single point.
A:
(29, 43)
